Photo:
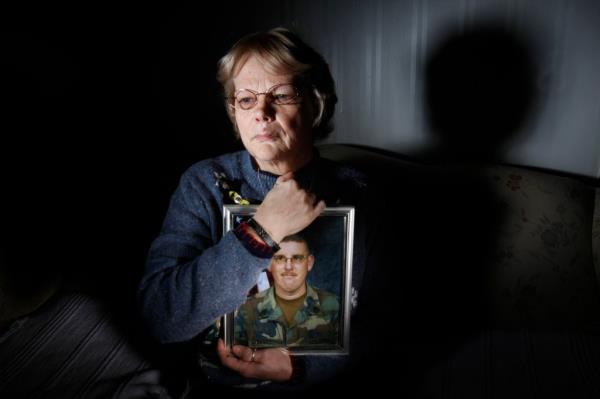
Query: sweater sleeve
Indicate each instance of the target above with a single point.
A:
(192, 278)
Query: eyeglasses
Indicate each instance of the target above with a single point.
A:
(281, 94)
(282, 259)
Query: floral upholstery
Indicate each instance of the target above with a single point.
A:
(540, 268)
(517, 247)
(543, 267)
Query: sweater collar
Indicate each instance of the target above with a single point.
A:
(262, 182)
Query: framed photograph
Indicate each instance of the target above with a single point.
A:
(302, 301)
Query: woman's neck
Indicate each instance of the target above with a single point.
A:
(282, 166)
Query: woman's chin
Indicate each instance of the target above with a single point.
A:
(267, 153)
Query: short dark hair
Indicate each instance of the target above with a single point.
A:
(283, 52)
(297, 238)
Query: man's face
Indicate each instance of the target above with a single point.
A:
(289, 268)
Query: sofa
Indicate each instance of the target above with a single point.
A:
(484, 285)
(487, 284)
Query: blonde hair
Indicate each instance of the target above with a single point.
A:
(283, 52)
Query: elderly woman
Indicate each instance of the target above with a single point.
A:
(280, 97)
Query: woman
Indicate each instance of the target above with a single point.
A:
(280, 97)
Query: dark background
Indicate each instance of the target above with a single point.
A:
(326, 237)
(103, 108)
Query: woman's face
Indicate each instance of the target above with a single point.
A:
(278, 136)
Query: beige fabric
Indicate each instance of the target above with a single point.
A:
(543, 268)
(546, 248)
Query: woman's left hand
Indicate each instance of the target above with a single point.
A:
(266, 364)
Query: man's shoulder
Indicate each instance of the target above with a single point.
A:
(261, 298)
(262, 295)
(323, 293)
(328, 301)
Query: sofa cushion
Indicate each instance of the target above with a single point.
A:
(543, 267)
(500, 245)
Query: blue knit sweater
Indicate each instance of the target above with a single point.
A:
(194, 273)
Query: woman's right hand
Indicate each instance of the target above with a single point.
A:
(287, 208)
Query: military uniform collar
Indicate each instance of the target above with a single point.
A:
(268, 308)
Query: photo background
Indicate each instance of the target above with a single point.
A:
(326, 238)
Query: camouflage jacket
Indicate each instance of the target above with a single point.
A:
(260, 322)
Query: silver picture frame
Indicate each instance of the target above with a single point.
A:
(331, 238)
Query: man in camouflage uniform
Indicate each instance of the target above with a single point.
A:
(291, 312)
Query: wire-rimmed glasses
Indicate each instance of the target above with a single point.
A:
(282, 259)
(281, 94)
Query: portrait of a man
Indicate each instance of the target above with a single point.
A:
(292, 312)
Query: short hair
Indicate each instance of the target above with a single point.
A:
(297, 238)
(283, 52)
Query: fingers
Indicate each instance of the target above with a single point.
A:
(226, 357)
(267, 364)
(245, 353)
(285, 351)
(288, 208)
(243, 360)
(238, 351)
(285, 177)
(246, 368)
(319, 208)
(238, 355)
(223, 352)
(221, 349)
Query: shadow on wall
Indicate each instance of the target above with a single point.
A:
(479, 92)
(438, 248)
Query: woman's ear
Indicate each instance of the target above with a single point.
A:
(317, 105)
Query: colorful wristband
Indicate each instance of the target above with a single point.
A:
(263, 235)
(255, 247)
